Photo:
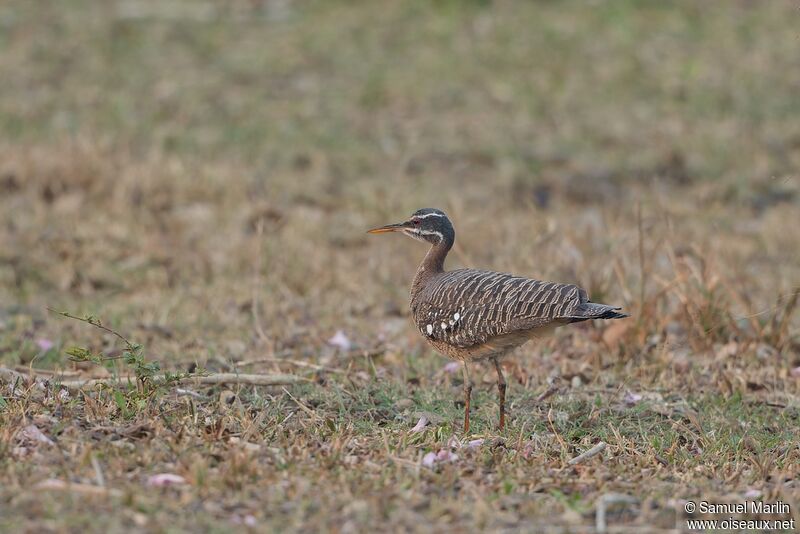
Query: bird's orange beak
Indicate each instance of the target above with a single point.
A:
(388, 228)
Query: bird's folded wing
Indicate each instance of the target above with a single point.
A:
(468, 307)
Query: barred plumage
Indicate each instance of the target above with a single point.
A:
(469, 314)
(490, 304)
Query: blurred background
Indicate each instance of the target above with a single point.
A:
(142, 144)
(201, 175)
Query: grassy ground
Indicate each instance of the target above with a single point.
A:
(200, 177)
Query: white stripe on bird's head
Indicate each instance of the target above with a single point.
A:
(432, 214)
(419, 233)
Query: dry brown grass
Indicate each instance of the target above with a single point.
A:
(204, 184)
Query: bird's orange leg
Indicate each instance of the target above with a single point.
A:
(501, 390)
(467, 395)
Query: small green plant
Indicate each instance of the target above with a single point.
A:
(148, 382)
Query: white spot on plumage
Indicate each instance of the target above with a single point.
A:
(444, 326)
(429, 329)
(457, 316)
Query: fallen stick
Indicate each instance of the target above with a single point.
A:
(25, 370)
(212, 379)
(594, 451)
(296, 363)
(548, 392)
(253, 380)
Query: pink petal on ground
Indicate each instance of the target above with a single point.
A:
(452, 367)
(421, 424)
(165, 479)
(752, 494)
(527, 451)
(475, 443)
(446, 456)
(34, 434)
(248, 520)
(340, 340)
(631, 398)
(795, 372)
(443, 456)
(44, 344)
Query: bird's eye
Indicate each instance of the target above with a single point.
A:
(415, 221)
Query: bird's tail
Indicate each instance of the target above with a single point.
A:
(591, 310)
(612, 314)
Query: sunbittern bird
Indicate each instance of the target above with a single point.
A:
(470, 315)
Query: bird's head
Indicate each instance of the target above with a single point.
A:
(427, 224)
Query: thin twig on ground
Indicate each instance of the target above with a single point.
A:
(212, 379)
(548, 392)
(302, 406)
(594, 451)
(296, 363)
(554, 431)
(94, 322)
(28, 370)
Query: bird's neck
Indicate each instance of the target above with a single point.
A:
(431, 265)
